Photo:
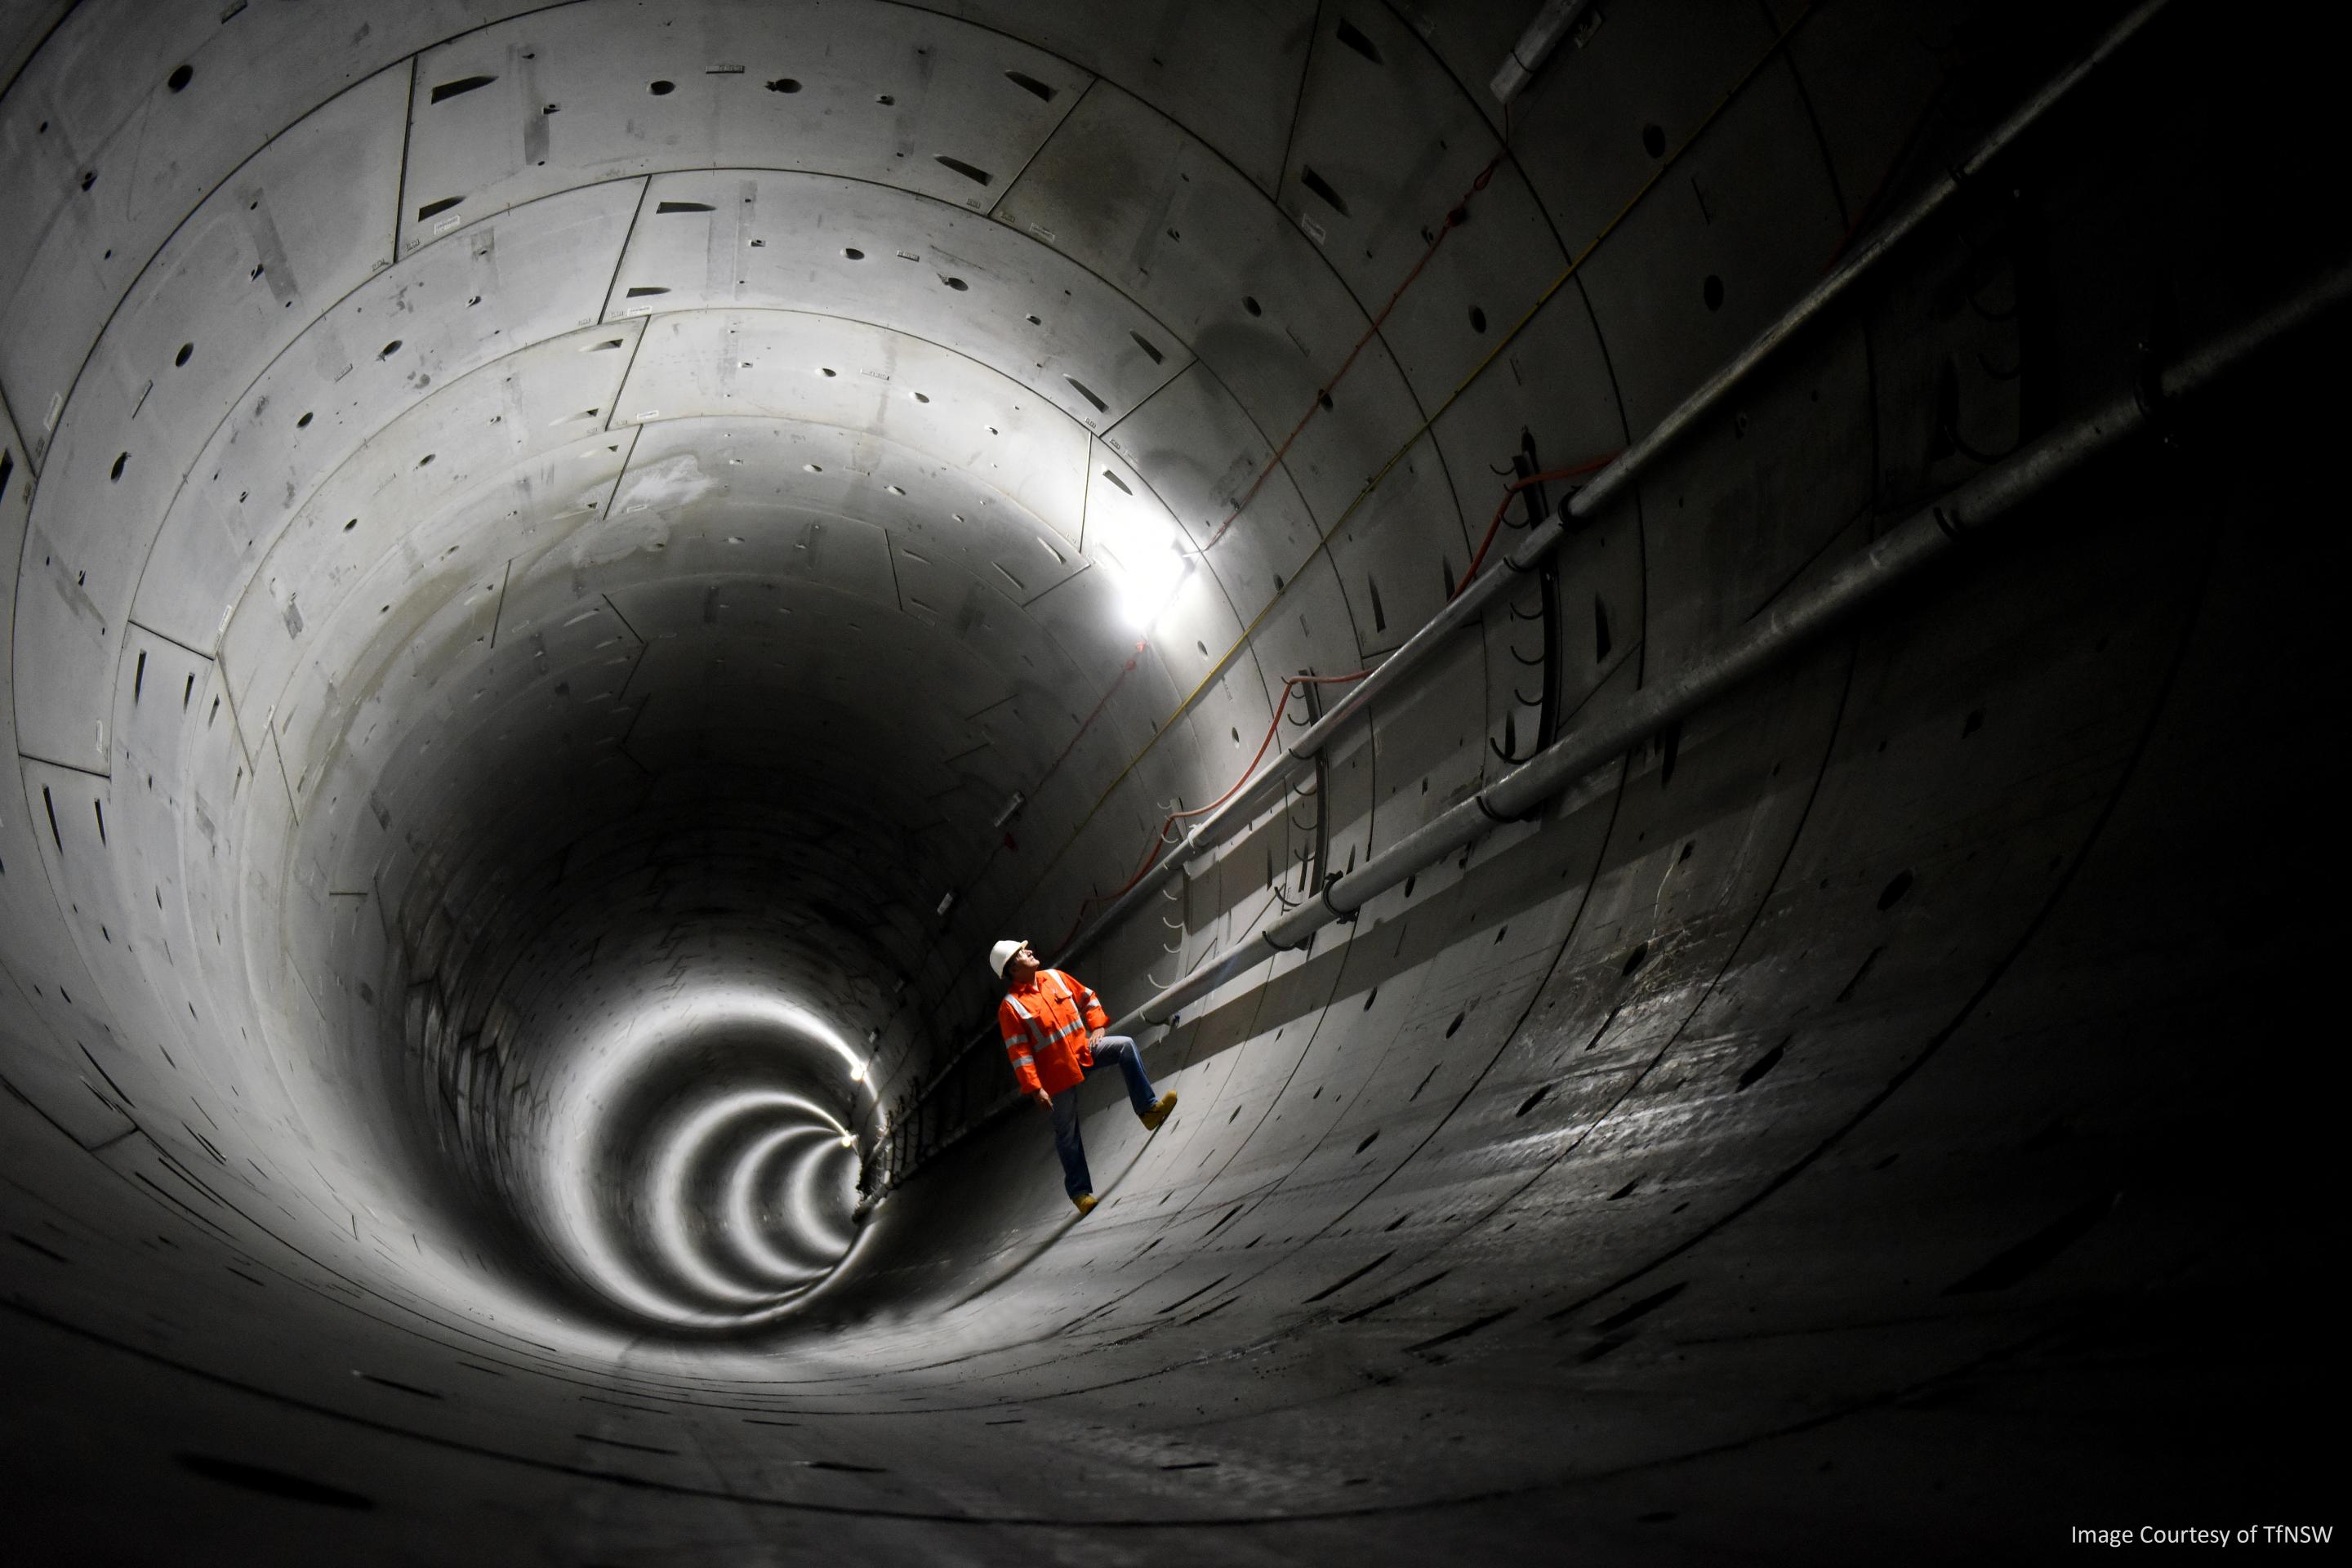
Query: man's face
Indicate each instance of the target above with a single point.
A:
(1026, 964)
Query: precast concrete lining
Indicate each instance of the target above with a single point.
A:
(577, 565)
(1776, 633)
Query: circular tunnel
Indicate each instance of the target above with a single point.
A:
(579, 565)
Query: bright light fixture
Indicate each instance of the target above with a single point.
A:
(1149, 571)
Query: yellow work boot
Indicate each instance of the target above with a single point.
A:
(1159, 1113)
(1086, 1202)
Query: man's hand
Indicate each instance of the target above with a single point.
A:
(1043, 1098)
(1094, 1039)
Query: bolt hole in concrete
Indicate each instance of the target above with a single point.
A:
(186, 352)
(271, 1482)
(180, 79)
(1349, 36)
(662, 89)
(1324, 189)
(1762, 1065)
(442, 92)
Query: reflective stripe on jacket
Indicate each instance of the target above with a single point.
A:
(1046, 1026)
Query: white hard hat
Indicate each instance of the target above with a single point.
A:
(1001, 953)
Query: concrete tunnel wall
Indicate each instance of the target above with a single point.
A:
(549, 538)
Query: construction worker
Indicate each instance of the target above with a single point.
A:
(1053, 1027)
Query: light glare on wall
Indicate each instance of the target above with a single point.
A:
(1148, 570)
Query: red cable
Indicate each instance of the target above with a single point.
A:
(1504, 505)
(1159, 839)
(1455, 217)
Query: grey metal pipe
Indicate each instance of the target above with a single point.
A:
(1261, 793)
(1612, 480)
(1611, 483)
(1536, 45)
(1892, 559)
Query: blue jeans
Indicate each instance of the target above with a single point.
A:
(1114, 1050)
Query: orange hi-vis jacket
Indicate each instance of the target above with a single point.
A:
(1046, 1026)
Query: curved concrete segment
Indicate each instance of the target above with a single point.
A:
(578, 565)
